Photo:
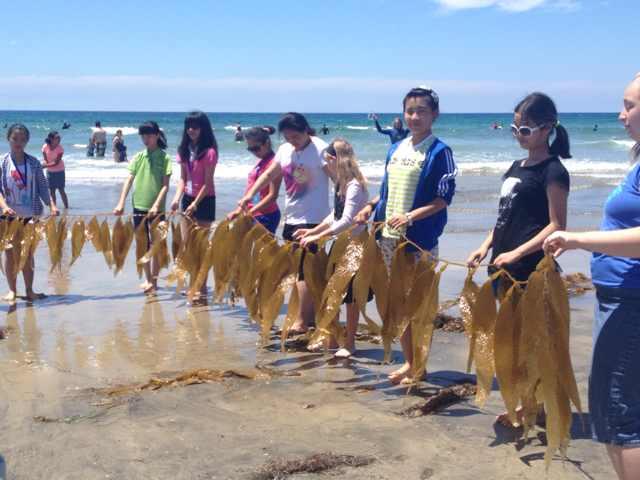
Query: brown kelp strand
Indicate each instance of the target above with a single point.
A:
(142, 245)
(483, 322)
(507, 354)
(422, 321)
(346, 267)
(550, 376)
(122, 237)
(105, 242)
(364, 279)
(176, 239)
(31, 236)
(56, 232)
(78, 238)
(93, 233)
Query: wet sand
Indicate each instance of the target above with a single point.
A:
(95, 331)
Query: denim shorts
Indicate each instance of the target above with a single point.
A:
(270, 220)
(614, 383)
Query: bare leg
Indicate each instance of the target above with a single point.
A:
(27, 274)
(407, 350)
(353, 315)
(12, 276)
(65, 200)
(626, 461)
(306, 314)
(148, 286)
(53, 195)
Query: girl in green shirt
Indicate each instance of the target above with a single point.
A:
(149, 173)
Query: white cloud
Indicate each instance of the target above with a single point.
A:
(508, 5)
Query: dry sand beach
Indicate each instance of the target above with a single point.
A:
(96, 332)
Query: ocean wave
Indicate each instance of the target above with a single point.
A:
(113, 130)
(79, 145)
(232, 128)
(356, 127)
(624, 143)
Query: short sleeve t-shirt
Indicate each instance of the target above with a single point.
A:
(621, 211)
(196, 171)
(306, 183)
(523, 210)
(403, 173)
(51, 154)
(149, 169)
(254, 174)
(18, 195)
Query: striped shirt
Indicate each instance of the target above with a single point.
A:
(403, 170)
(38, 183)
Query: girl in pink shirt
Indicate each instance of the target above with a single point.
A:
(52, 153)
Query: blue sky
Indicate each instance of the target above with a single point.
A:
(322, 56)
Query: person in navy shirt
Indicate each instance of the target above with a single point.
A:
(614, 382)
(396, 134)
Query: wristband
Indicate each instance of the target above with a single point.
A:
(409, 219)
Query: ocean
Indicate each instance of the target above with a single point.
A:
(600, 157)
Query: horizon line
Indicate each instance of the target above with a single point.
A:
(281, 113)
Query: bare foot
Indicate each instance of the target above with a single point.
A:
(145, 285)
(344, 353)
(32, 296)
(3, 334)
(151, 289)
(399, 375)
(10, 297)
(297, 328)
(503, 419)
(319, 346)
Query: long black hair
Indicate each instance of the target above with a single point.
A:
(296, 122)
(206, 140)
(153, 128)
(540, 109)
(50, 137)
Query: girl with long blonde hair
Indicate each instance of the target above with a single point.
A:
(351, 196)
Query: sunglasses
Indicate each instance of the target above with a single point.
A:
(255, 148)
(524, 131)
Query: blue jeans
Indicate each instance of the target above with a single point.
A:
(614, 383)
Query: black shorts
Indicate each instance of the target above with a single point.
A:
(287, 234)
(206, 210)
(139, 217)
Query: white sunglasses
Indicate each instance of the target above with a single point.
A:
(524, 131)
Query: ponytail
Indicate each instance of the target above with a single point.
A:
(162, 141)
(560, 145)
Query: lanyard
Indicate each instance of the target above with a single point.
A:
(23, 178)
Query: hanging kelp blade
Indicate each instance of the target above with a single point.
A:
(345, 268)
(142, 245)
(122, 237)
(78, 238)
(105, 242)
(484, 315)
(511, 377)
(93, 233)
(176, 239)
(550, 373)
(56, 232)
(364, 277)
(292, 315)
(422, 322)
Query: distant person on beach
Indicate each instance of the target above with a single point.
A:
(23, 190)
(614, 380)
(198, 157)
(396, 134)
(66, 126)
(418, 185)
(324, 130)
(52, 152)
(99, 140)
(533, 197)
(239, 136)
(350, 197)
(595, 127)
(149, 173)
(300, 161)
(119, 148)
(263, 206)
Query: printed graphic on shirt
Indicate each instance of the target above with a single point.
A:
(297, 180)
(508, 194)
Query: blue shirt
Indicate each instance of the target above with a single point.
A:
(621, 210)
